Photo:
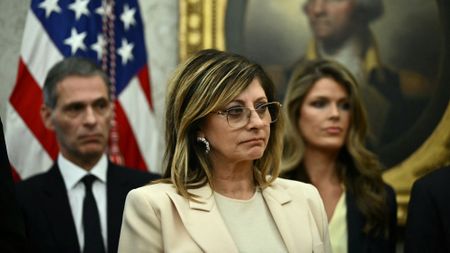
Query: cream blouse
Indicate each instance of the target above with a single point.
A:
(250, 224)
(338, 227)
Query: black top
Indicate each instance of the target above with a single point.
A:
(12, 230)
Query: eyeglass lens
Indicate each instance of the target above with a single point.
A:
(240, 116)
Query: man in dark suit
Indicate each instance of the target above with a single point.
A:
(77, 205)
(12, 229)
(428, 223)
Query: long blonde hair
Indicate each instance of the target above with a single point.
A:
(206, 82)
(358, 168)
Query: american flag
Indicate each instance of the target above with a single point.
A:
(110, 32)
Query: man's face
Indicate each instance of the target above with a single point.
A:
(81, 118)
(330, 19)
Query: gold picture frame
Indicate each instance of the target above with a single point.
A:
(202, 26)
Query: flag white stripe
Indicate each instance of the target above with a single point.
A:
(39, 54)
(143, 123)
(25, 152)
(38, 51)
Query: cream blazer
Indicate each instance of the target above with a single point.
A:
(157, 219)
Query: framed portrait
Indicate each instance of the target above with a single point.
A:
(402, 70)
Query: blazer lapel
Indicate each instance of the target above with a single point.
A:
(57, 208)
(203, 221)
(291, 220)
(355, 223)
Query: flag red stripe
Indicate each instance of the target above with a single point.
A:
(26, 98)
(144, 80)
(16, 177)
(127, 142)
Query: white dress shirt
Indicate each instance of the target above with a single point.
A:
(72, 174)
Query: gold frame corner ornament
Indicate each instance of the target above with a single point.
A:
(202, 26)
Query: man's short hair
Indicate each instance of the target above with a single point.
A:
(71, 66)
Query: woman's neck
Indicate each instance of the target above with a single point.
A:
(234, 181)
(321, 166)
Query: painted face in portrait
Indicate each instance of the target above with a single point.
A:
(325, 115)
(81, 118)
(237, 134)
(330, 19)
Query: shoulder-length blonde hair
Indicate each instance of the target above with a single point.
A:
(206, 82)
(358, 168)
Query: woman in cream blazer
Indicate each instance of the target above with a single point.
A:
(220, 191)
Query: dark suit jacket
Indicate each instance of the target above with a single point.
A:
(360, 242)
(428, 223)
(44, 203)
(12, 229)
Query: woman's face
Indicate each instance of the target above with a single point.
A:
(246, 143)
(325, 117)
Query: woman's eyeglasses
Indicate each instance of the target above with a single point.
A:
(239, 116)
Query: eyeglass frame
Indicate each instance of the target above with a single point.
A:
(226, 112)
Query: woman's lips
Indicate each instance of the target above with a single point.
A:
(333, 130)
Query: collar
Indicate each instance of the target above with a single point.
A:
(206, 200)
(72, 173)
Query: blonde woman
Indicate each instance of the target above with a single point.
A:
(220, 191)
(324, 145)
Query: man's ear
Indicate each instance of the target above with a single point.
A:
(46, 116)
